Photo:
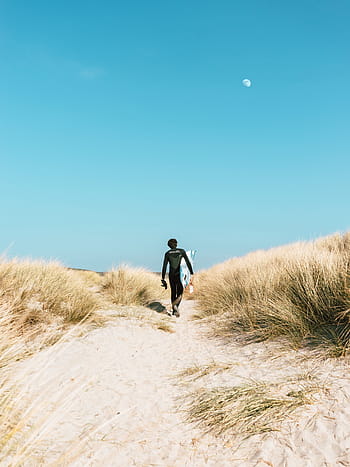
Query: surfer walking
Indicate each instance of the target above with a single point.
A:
(174, 257)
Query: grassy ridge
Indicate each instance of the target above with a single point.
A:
(301, 291)
(38, 297)
(36, 291)
(132, 286)
(39, 303)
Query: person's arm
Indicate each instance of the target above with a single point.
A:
(165, 264)
(188, 262)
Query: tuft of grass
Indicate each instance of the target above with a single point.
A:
(198, 371)
(132, 286)
(300, 291)
(249, 409)
(163, 326)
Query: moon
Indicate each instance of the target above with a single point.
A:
(247, 83)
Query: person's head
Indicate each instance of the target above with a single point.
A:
(172, 243)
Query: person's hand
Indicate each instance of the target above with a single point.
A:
(191, 281)
(164, 284)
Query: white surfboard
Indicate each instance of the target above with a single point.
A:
(185, 274)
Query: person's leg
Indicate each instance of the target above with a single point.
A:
(179, 291)
(173, 283)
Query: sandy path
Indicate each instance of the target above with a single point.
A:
(120, 397)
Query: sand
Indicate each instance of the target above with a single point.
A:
(112, 398)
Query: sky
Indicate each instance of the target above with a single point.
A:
(123, 124)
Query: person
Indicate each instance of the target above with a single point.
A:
(174, 257)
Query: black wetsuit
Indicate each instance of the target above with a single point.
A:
(174, 257)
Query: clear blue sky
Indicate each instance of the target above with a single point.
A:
(123, 124)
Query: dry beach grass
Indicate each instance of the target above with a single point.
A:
(250, 408)
(42, 304)
(125, 392)
(300, 291)
(132, 286)
(41, 299)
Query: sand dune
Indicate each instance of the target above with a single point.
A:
(111, 398)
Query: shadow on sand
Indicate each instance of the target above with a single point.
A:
(157, 306)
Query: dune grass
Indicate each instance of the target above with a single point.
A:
(300, 291)
(198, 371)
(134, 291)
(92, 279)
(252, 408)
(38, 292)
(42, 303)
(132, 286)
(40, 299)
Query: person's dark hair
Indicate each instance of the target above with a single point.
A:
(172, 243)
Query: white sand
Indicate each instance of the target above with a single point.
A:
(121, 399)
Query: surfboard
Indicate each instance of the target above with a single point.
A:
(185, 274)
